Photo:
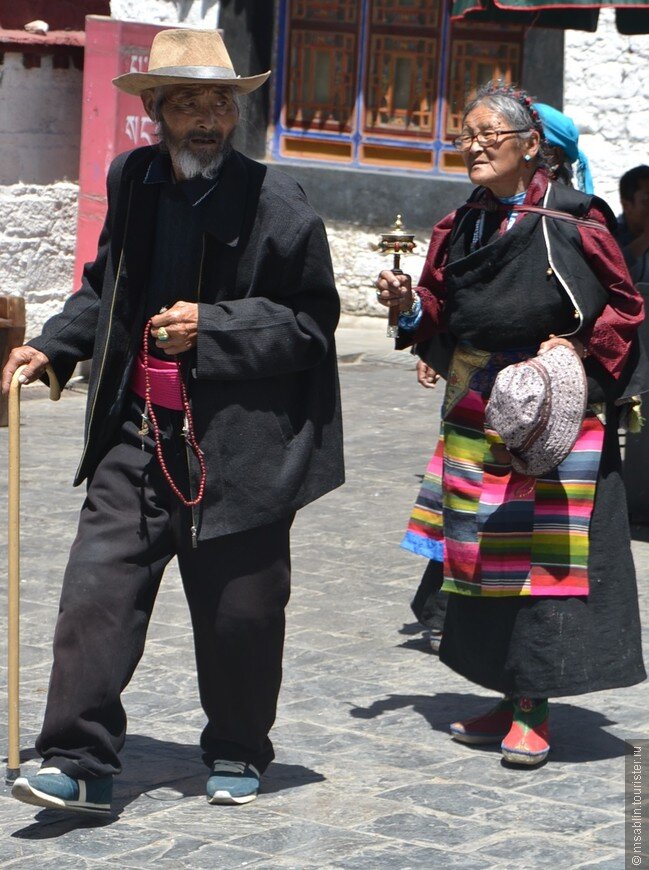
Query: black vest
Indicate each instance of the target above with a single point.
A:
(556, 245)
(519, 287)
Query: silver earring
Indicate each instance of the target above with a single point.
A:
(527, 158)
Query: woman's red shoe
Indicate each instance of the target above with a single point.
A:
(491, 727)
(528, 739)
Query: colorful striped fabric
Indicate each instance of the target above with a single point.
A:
(500, 533)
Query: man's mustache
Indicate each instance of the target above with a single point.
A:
(202, 136)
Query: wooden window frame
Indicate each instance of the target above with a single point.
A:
(354, 140)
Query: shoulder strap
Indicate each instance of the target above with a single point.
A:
(546, 212)
(562, 216)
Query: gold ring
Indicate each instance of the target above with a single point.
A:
(162, 335)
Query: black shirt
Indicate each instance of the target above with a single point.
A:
(178, 244)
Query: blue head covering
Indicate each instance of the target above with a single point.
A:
(560, 130)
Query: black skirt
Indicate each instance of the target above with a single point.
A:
(549, 647)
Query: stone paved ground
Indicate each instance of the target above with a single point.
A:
(365, 775)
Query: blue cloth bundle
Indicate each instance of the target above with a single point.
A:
(561, 130)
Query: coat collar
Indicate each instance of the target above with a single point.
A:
(196, 190)
(224, 209)
(534, 194)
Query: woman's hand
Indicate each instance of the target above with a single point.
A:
(556, 341)
(426, 376)
(395, 290)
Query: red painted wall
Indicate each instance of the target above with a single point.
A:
(112, 121)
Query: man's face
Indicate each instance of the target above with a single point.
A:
(196, 125)
(636, 211)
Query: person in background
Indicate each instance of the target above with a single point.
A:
(543, 598)
(634, 222)
(566, 161)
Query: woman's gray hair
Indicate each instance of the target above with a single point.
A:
(515, 106)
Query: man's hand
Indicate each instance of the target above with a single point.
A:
(25, 355)
(394, 290)
(426, 376)
(181, 323)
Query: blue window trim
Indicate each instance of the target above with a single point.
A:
(437, 145)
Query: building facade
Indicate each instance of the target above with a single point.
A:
(365, 99)
(367, 96)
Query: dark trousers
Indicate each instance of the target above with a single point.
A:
(429, 603)
(237, 587)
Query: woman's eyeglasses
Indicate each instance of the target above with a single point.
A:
(485, 138)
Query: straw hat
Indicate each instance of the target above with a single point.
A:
(180, 57)
(537, 407)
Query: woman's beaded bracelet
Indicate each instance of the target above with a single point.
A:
(414, 307)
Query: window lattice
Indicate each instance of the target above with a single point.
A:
(400, 84)
(406, 13)
(321, 83)
(340, 11)
(474, 63)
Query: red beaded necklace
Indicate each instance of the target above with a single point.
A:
(188, 429)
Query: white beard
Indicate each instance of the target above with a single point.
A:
(192, 166)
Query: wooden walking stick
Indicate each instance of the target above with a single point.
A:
(13, 558)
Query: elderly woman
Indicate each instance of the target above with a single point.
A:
(544, 599)
(562, 156)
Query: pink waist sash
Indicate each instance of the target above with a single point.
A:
(164, 378)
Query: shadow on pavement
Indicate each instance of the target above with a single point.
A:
(420, 643)
(410, 628)
(162, 771)
(52, 823)
(25, 755)
(578, 734)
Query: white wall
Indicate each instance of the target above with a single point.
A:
(40, 121)
(40, 128)
(187, 13)
(357, 263)
(607, 95)
(37, 241)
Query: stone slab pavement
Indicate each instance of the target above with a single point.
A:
(365, 775)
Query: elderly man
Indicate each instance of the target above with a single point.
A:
(213, 415)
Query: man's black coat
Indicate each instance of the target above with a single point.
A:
(262, 380)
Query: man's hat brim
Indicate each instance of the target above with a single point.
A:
(137, 83)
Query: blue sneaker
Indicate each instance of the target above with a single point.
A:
(57, 791)
(232, 782)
